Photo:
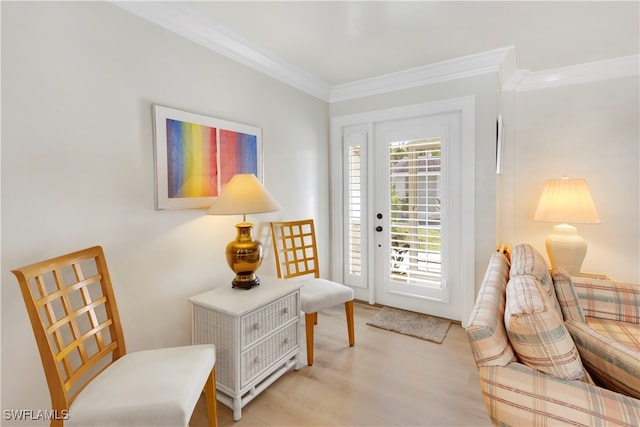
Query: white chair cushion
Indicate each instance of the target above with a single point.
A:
(319, 294)
(146, 388)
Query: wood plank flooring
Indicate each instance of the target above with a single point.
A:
(387, 379)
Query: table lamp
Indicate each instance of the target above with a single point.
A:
(243, 195)
(566, 200)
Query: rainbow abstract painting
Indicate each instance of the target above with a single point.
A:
(238, 154)
(192, 165)
(197, 155)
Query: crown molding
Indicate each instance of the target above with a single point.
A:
(493, 61)
(609, 69)
(188, 23)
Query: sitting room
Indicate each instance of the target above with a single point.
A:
(418, 136)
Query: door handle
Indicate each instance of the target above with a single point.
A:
(379, 228)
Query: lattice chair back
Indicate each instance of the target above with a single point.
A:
(75, 320)
(294, 245)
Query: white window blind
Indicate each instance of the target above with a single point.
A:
(355, 221)
(415, 220)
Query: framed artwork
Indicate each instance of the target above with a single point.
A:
(197, 155)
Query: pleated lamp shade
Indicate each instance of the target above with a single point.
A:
(567, 200)
(563, 201)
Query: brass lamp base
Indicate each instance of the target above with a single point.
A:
(245, 284)
(244, 256)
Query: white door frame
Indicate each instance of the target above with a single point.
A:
(465, 106)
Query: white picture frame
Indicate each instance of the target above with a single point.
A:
(196, 155)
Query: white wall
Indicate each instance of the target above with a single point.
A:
(78, 82)
(586, 131)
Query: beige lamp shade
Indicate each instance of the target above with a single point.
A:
(243, 194)
(566, 200)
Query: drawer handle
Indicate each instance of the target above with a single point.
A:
(285, 310)
(256, 326)
(286, 340)
(256, 360)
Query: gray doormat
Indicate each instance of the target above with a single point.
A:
(416, 325)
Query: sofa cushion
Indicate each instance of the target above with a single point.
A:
(485, 330)
(526, 260)
(610, 363)
(627, 334)
(607, 299)
(566, 295)
(537, 332)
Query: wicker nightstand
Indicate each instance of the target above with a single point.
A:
(256, 333)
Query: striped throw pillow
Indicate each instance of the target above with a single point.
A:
(537, 333)
(527, 261)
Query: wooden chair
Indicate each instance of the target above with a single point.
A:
(92, 380)
(294, 244)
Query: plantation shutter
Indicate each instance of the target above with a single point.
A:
(355, 207)
(416, 222)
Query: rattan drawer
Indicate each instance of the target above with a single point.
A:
(257, 359)
(267, 319)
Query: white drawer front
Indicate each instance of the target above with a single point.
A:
(267, 319)
(260, 357)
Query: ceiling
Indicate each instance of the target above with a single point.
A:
(340, 42)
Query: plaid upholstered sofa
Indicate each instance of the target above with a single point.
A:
(555, 352)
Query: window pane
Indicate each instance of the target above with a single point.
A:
(415, 170)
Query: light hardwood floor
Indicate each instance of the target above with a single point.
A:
(387, 379)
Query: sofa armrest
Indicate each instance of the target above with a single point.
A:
(608, 299)
(518, 395)
(485, 328)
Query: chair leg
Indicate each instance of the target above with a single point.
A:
(57, 421)
(210, 396)
(348, 306)
(309, 322)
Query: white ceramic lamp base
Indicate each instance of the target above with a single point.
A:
(566, 248)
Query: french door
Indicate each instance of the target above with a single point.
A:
(414, 201)
(404, 223)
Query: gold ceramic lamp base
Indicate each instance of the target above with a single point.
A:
(244, 256)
